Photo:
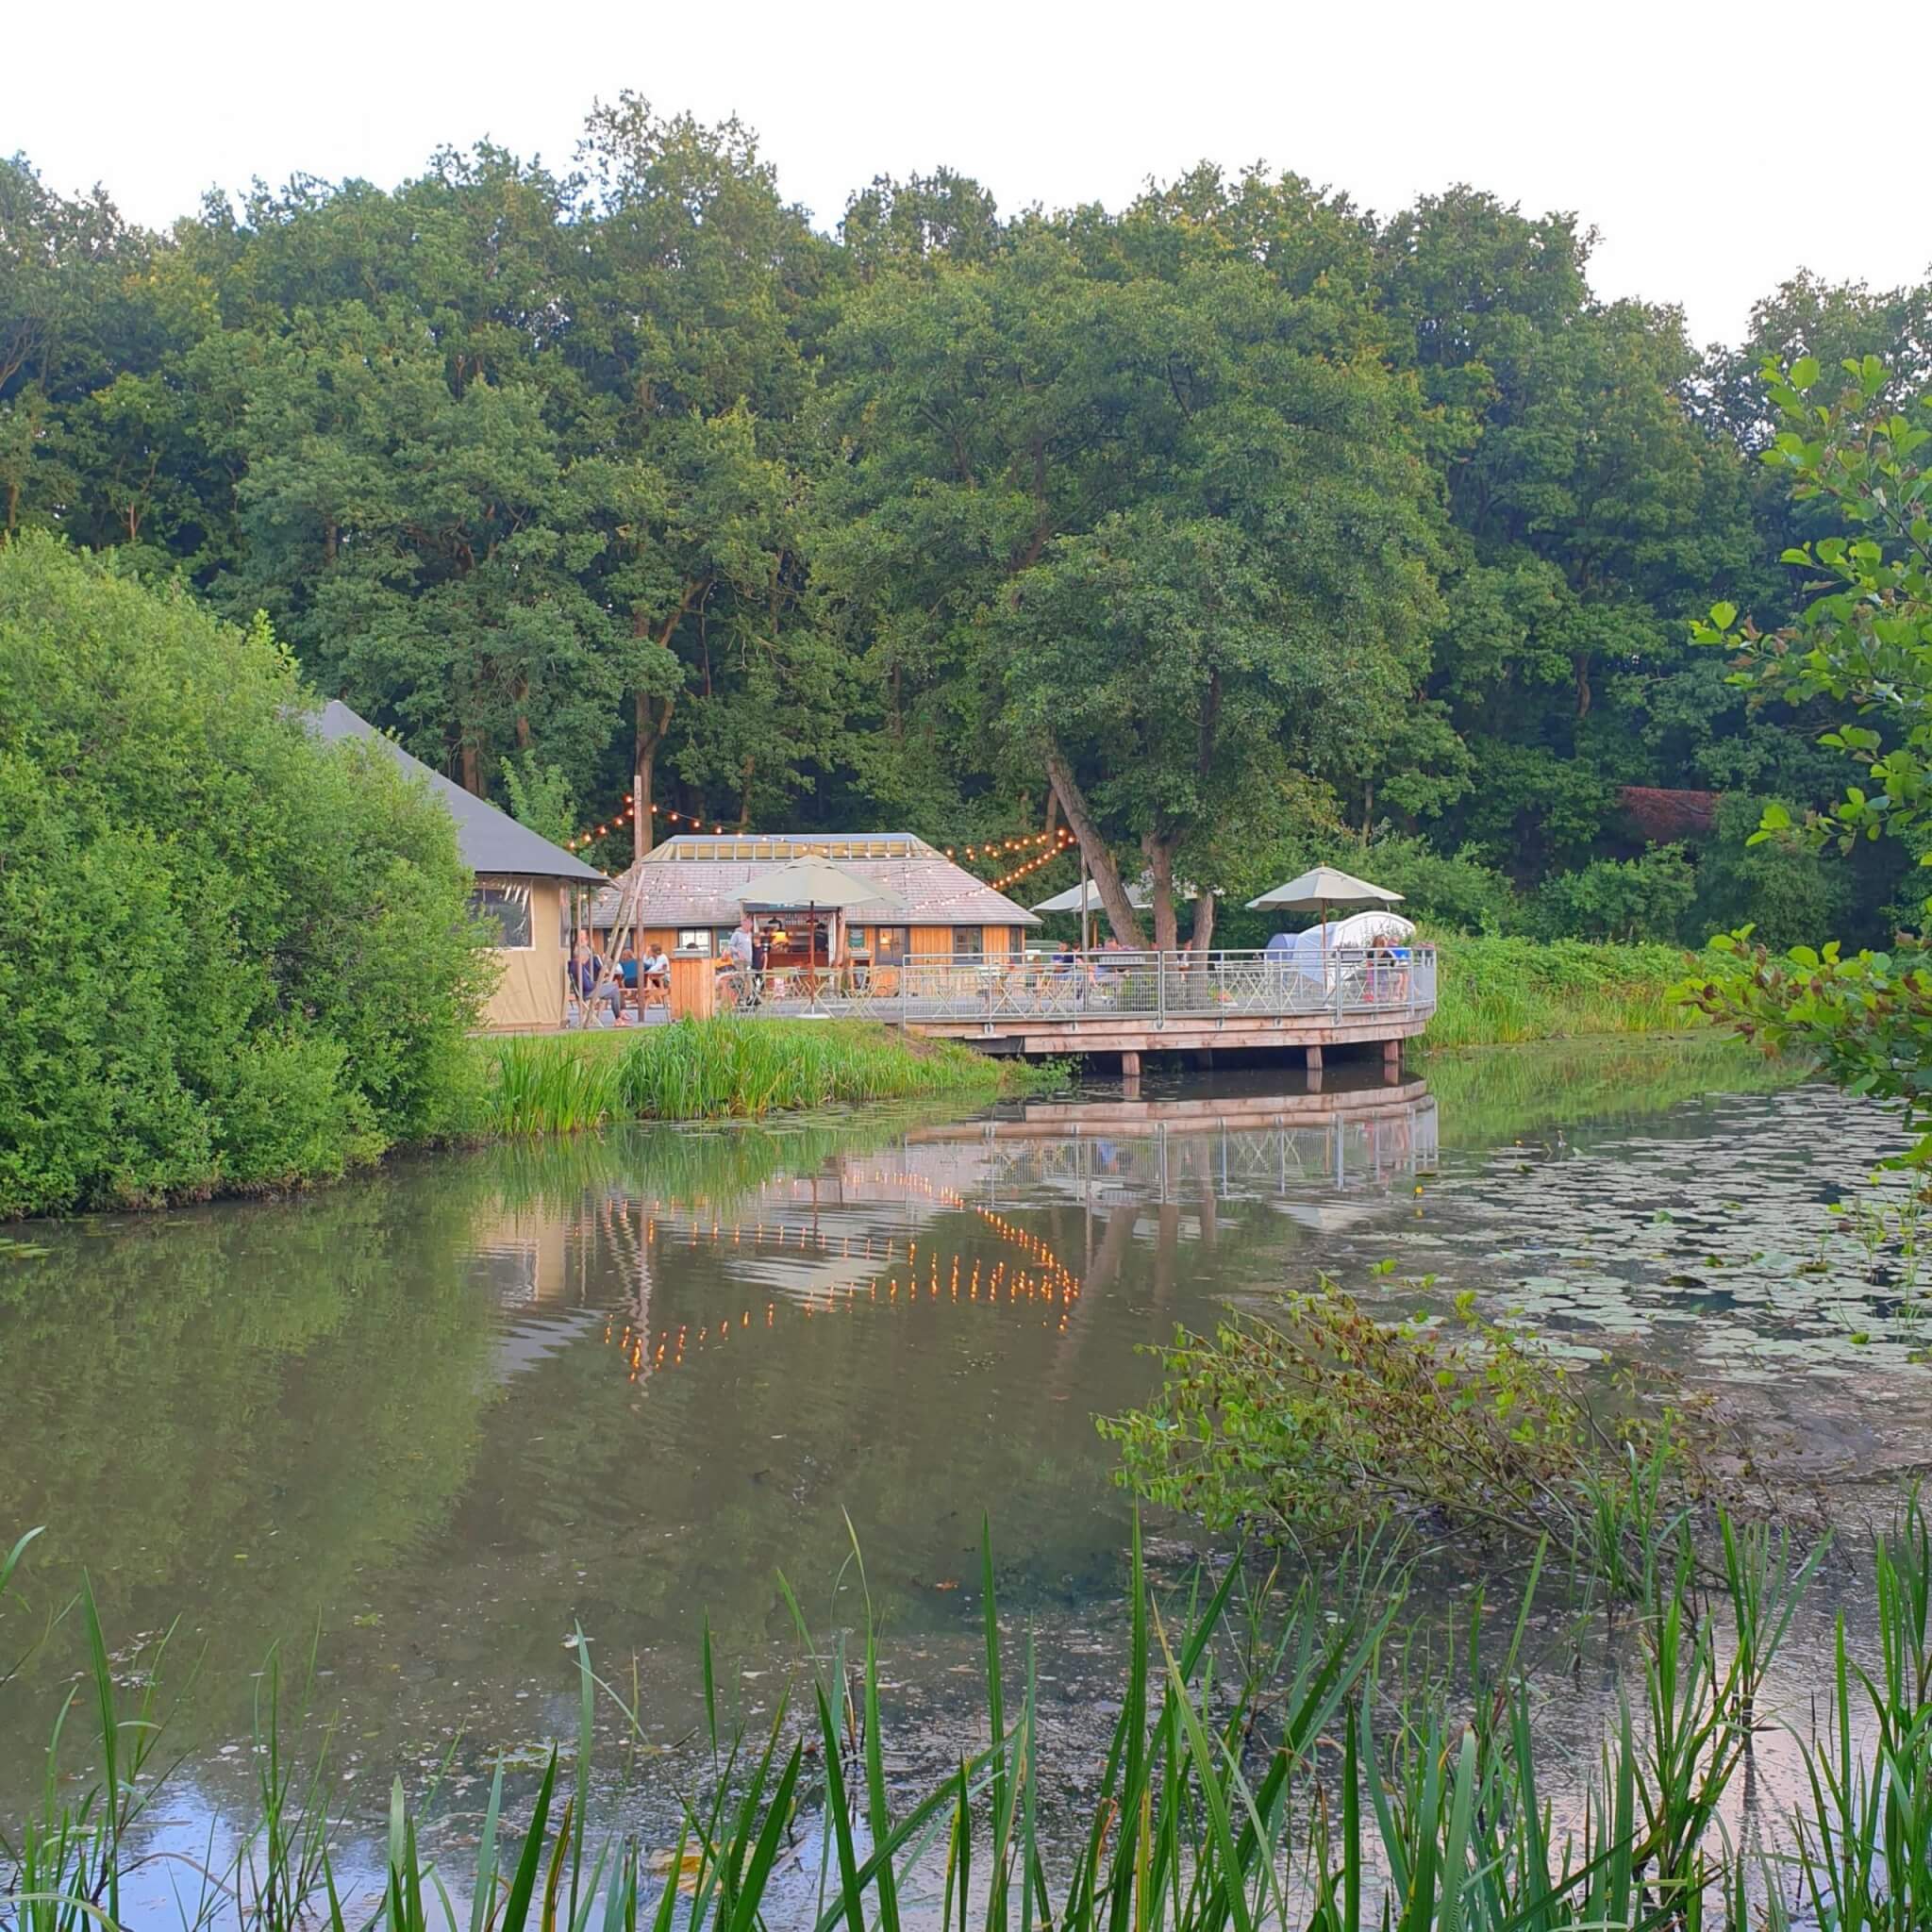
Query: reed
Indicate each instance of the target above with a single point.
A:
(720, 1069)
(1259, 1774)
(1501, 992)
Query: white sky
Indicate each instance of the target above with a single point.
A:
(1701, 137)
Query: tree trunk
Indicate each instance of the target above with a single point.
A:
(1160, 854)
(1201, 938)
(472, 766)
(1583, 686)
(1105, 874)
(650, 735)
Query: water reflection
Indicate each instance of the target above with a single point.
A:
(448, 1414)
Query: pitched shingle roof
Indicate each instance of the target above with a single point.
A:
(492, 843)
(694, 881)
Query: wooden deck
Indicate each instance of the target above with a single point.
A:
(1132, 1004)
(1127, 1004)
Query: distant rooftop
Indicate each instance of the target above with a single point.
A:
(769, 847)
(694, 880)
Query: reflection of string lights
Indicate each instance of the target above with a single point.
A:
(635, 1344)
(690, 1233)
(1047, 1282)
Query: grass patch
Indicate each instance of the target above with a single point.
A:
(1502, 992)
(723, 1069)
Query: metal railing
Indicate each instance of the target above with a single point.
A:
(1354, 984)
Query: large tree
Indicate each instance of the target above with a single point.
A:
(1123, 515)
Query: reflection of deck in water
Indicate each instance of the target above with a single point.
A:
(883, 1228)
(1306, 1151)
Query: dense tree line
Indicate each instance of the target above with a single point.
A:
(1226, 529)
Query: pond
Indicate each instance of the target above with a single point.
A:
(430, 1423)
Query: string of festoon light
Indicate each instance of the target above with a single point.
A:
(1056, 841)
(623, 817)
(998, 848)
(1066, 844)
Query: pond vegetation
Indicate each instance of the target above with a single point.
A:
(711, 1068)
(1269, 1765)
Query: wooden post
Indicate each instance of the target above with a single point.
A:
(1391, 1059)
(639, 816)
(693, 985)
(1314, 1059)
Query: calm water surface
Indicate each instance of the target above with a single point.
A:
(444, 1416)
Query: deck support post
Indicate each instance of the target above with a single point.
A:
(1130, 1065)
(1391, 1059)
(1314, 1059)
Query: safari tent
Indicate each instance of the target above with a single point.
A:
(523, 884)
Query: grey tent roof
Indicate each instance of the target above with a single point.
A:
(493, 844)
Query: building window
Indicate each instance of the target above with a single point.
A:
(967, 942)
(889, 945)
(695, 938)
(507, 907)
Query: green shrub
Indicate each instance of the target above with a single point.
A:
(1496, 992)
(229, 956)
(1627, 899)
(1455, 889)
(1788, 893)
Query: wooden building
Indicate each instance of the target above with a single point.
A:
(690, 899)
(524, 885)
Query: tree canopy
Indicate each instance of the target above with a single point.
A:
(1233, 527)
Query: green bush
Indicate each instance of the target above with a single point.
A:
(1456, 889)
(1626, 899)
(1788, 894)
(229, 956)
(1496, 992)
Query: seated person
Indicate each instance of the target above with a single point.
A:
(594, 983)
(627, 968)
(654, 975)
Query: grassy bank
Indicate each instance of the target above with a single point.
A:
(1267, 1768)
(723, 1069)
(1501, 992)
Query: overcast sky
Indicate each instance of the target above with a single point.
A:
(1702, 138)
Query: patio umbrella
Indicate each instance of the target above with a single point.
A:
(1070, 901)
(808, 884)
(1316, 891)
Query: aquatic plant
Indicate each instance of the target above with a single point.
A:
(1321, 1416)
(1258, 1774)
(717, 1068)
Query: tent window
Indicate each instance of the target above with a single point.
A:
(507, 907)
